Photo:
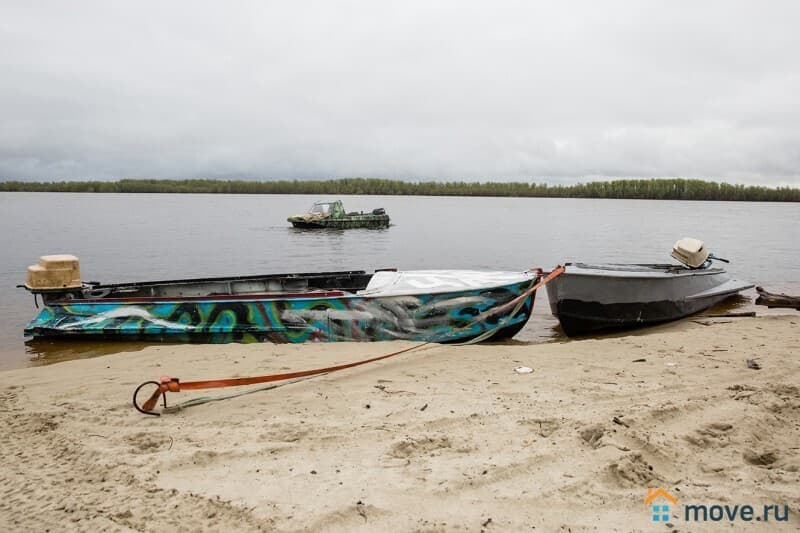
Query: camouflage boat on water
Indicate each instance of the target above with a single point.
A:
(416, 305)
(333, 215)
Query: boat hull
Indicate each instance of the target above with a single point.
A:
(346, 222)
(592, 299)
(443, 317)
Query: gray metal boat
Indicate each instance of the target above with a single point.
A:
(594, 297)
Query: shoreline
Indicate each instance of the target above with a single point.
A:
(676, 189)
(542, 328)
(440, 438)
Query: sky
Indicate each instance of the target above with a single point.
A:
(555, 92)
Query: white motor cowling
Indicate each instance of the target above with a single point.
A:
(690, 252)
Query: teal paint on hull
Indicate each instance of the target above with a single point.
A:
(443, 317)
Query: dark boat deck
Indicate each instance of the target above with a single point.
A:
(240, 286)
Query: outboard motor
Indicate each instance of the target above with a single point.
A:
(690, 252)
(55, 277)
(693, 253)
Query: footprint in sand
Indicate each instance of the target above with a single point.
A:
(633, 471)
(284, 433)
(592, 435)
(413, 447)
(714, 435)
(148, 442)
(544, 427)
(764, 459)
(42, 423)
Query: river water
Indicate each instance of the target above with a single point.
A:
(136, 237)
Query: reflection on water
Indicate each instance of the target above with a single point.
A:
(45, 352)
(48, 351)
(324, 232)
(735, 304)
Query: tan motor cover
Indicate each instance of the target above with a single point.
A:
(690, 252)
(54, 272)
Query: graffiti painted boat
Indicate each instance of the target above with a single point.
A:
(424, 305)
(333, 215)
(588, 298)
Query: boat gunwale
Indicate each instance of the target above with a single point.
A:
(215, 298)
(221, 279)
(274, 296)
(658, 271)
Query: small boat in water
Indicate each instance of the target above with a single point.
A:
(422, 305)
(333, 215)
(595, 297)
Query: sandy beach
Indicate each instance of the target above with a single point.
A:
(441, 438)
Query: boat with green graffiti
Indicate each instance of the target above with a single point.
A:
(418, 305)
(332, 215)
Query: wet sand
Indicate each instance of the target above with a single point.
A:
(441, 438)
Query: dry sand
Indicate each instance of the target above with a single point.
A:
(443, 438)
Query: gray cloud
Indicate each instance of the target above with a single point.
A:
(413, 90)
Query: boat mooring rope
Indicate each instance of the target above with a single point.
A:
(169, 384)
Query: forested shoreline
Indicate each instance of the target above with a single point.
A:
(654, 189)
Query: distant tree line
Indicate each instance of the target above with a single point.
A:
(654, 189)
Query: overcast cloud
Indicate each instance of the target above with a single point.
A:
(555, 91)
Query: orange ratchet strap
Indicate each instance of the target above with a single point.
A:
(168, 384)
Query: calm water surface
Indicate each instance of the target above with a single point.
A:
(160, 236)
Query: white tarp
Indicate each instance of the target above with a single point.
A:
(439, 281)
